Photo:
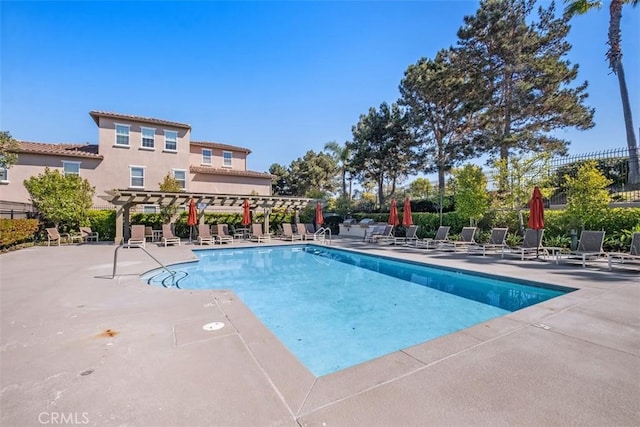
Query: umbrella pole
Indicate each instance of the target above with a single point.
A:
(537, 243)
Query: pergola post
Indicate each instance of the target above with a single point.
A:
(267, 212)
(122, 224)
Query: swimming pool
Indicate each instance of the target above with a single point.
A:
(335, 308)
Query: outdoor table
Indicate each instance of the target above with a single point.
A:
(555, 251)
(157, 235)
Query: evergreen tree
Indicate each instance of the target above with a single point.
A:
(523, 80)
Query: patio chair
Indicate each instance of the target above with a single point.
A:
(306, 231)
(386, 236)
(148, 233)
(442, 235)
(626, 259)
(496, 241)
(53, 235)
(589, 247)
(372, 233)
(410, 235)
(137, 235)
(288, 234)
(204, 235)
(88, 235)
(223, 234)
(466, 239)
(168, 238)
(257, 235)
(531, 245)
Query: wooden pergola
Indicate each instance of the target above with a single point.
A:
(125, 199)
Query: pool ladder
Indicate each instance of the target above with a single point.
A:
(321, 235)
(127, 245)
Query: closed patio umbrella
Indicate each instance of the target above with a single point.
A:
(319, 218)
(393, 214)
(192, 218)
(246, 213)
(536, 215)
(406, 213)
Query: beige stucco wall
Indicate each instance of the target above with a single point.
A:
(223, 184)
(114, 171)
(29, 165)
(238, 159)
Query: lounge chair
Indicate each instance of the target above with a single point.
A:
(442, 235)
(306, 231)
(137, 235)
(372, 233)
(531, 245)
(385, 237)
(257, 235)
(466, 239)
(223, 234)
(148, 233)
(589, 247)
(204, 235)
(168, 238)
(496, 241)
(624, 259)
(53, 235)
(410, 235)
(88, 235)
(288, 234)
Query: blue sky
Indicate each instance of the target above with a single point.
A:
(279, 78)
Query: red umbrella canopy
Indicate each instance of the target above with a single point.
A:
(536, 210)
(246, 213)
(393, 213)
(192, 219)
(319, 218)
(406, 213)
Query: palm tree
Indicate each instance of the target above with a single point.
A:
(342, 154)
(614, 56)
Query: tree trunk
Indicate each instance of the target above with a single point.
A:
(634, 162)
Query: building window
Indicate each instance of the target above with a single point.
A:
(137, 176)
(206, 156)
(180, 176)
(170, 140)
(149, 209)
(4, 176)
(148, 137)
(122, 135)
(71, 168)
(226, 159)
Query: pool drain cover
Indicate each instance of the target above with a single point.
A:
(213, 326)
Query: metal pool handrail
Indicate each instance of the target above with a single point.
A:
(127, 245)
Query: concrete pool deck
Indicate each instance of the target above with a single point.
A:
(77, 347)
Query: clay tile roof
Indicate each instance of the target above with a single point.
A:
(70, 150)
(220, 146)
(217, 171)
(97, 114)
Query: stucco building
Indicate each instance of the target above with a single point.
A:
(136, 153)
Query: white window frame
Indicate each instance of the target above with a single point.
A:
(128, 127)
(148, 209)
(64, 167)
(224, 159)
(131, 177)
(167, 140)
(182, 182)
(204, 156)
(153, 138)
(4, 175)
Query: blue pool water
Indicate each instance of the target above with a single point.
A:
(334, 308)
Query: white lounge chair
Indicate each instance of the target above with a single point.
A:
(223, 234)
(257, 235)
(137, 235)
(589, 247)
(442, 235)
(288, 234)
(168, 237)
(204, 235)
(496, 241)
(466, 239)
(410, 236)
(531, 245)
(626, 259)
